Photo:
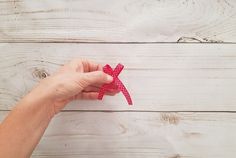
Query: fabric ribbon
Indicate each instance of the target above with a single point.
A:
(115, 84)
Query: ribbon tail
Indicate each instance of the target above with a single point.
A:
(118, 69)
(102, 91)
(123, 89)
(108, 70)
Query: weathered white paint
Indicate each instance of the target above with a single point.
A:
(180, 77)
(160, 77)
(118, 21)
(139, 134)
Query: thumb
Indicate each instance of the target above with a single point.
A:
(96, 77)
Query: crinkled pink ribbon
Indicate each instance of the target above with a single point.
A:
(115, 84)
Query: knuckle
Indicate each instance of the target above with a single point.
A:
(101, 75)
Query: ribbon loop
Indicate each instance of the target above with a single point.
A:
(115, 84)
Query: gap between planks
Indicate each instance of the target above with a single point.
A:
(80, 42)
(134, 111)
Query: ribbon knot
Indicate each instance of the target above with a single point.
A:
(115, 84)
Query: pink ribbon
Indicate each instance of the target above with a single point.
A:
(115, 84)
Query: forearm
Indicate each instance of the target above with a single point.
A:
(21, 131)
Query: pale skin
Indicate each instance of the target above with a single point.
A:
(23, 128)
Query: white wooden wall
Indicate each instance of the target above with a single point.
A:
(180, 58)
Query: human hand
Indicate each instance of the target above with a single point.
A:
(78, 79)
(21, 131)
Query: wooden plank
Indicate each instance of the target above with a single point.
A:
(139, 134)
(118, 21)
(160, 77)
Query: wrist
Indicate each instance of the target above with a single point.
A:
(39, 99)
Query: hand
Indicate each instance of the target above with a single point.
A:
(79, 79)
(22, 129)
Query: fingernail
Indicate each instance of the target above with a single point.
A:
(109, 78)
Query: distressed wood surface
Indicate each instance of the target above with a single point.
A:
(118, 21)
(132, 134)
(160, 77)
(184, 94)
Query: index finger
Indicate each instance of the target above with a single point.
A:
(89, 66)
(83, 65)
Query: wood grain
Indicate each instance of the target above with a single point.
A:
(37, 37)
(139, 134)
(160, 77)
(118, 21)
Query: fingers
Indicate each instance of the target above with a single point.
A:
(90, 66)
(87, 95)
(91, 89)
(111, 93)
(97, 89)
(98, 86)
(83, 65)
(91, 95)
(76, 65)
(95, 77)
